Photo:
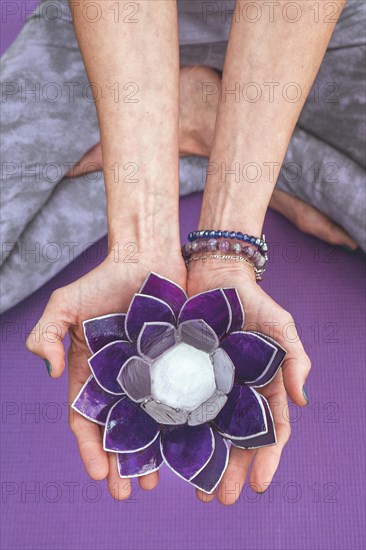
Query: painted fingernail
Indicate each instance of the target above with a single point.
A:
(304, 392)
(48, 365)
(259, 492)
(348, 248)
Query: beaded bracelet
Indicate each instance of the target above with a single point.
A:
(212, 234)
(252, 250)
(225, 247)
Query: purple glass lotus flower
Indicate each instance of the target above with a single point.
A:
(173, 381)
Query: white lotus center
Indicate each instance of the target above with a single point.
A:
(182, 377)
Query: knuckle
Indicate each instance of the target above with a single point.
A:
(30, 344)
(72, 426)
(74, 423)
(286, 433)
(288, 318)
(58, 296)
(307, 363)
(283, 440)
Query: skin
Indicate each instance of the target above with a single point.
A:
(260, 311)
(244, 203)
(197, 117)
(140, 214)
(146, 213)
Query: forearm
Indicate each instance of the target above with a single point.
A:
(134, 71)
(254, 126)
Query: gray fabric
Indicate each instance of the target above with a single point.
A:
(50, 136)
(204, 22)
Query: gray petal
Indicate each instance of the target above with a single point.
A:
(156, 338)
(134, 378)
(208, 410)
(164, 414)
(199, 334)
(224, 370)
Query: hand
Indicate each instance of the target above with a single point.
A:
(264, 315)
(107, 289)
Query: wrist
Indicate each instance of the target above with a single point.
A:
(209, 274)
(145, 249)
(232, 213)
(150, 232)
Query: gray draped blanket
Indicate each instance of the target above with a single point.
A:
(49, 122)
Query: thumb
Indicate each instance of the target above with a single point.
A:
(295, 369)
(45, 339)
(297, 364)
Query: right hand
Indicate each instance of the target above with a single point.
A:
(106, 289)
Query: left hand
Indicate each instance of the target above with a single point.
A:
(265, 315)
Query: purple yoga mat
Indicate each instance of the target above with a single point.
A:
(317, 497)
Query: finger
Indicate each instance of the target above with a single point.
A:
(234, 477)
(149, 481)
(89, 441)
(86, 432)
(204, 497)
(297, 364)
(267, 459)
(45, 340)
(296, 368)
(120, 488)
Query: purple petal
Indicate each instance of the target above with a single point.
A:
(107, 363)
(269, 374)
(187, 450)
(263, 440)
(101, 331)
(224, 370)
(155, 338)
(209, 478)
(198, 334)
(140, 463)
(256, 359)
(163, 414)
(211, 306)
(208, 410)
(146, 309)
(135, 379)
(129, 428)
(237, 320)
(168, 291)
(243, 415)
(93, 402)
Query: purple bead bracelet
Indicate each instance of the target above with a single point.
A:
(225, 247)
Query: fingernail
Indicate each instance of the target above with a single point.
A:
(304, 392)
(48, 365)
(259, 492)
(348, 248)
